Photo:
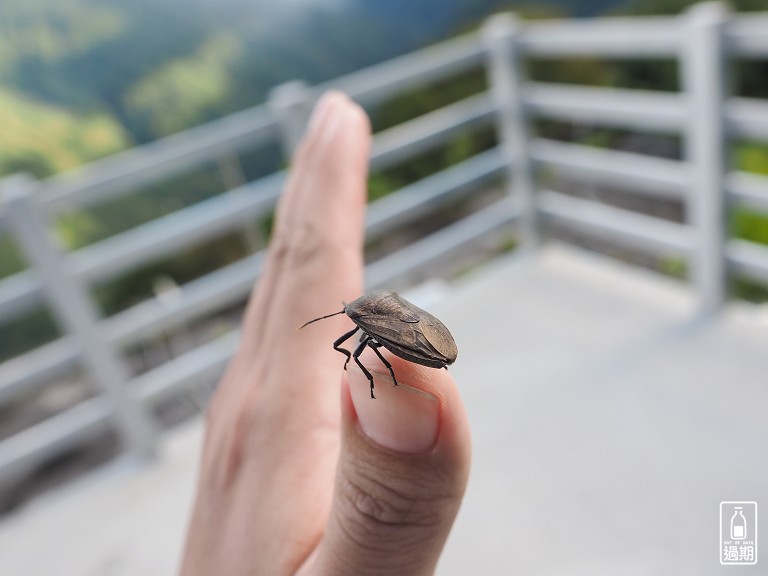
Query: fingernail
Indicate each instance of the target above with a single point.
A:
(322, 108)
(400, 418)
(334, 118)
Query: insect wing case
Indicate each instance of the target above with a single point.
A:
(404, 329)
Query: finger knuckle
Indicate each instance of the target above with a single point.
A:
(298, 245)
(388, 507)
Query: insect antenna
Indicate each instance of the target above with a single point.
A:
(321, 318)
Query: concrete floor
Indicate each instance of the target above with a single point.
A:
(607, 425)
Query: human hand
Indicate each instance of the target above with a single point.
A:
(293, 481)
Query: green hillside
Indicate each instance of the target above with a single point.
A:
(178, 93)
(132, 72)
(41, 138)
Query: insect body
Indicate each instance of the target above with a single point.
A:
(386, 319)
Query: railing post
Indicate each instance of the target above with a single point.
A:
(76, 313)
(506, 78)
(290, 102)
(704, 83)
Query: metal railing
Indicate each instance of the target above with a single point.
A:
(701, 113)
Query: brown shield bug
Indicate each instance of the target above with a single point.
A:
(389, 320)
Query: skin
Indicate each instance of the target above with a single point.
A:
(298, 475)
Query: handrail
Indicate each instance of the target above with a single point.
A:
(626, 37)
(638, 230)
(233, 282)
(655, 176)
(611, 107)
(700, 113)
(121, 173)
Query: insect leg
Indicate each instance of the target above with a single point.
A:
(356, 356)
(375, 347)
(337, 346)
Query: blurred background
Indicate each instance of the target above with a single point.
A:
(607, 156)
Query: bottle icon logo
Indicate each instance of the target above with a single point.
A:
(738, 524)
(738, 533)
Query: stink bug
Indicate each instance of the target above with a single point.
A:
(386, 319)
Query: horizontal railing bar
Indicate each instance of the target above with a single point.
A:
(748, 259)
(28, 371)
(748, 190)
(745, 35)
(204, 363)
(213, 291)
(127, 170)
(22, 452)
(19, 294)
(438, 244)
(657, 176)
(635, 37)
(177, 230)
(638, 230)
(409, 138)
(415, 200)
(637, 109)
(377, 83)
(614, 107)
(747, 118)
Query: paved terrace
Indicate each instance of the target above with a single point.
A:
(607, 428)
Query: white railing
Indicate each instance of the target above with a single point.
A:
(701, 113)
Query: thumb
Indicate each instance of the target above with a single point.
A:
(402, 471)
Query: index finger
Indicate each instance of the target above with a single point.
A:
(315, 258)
